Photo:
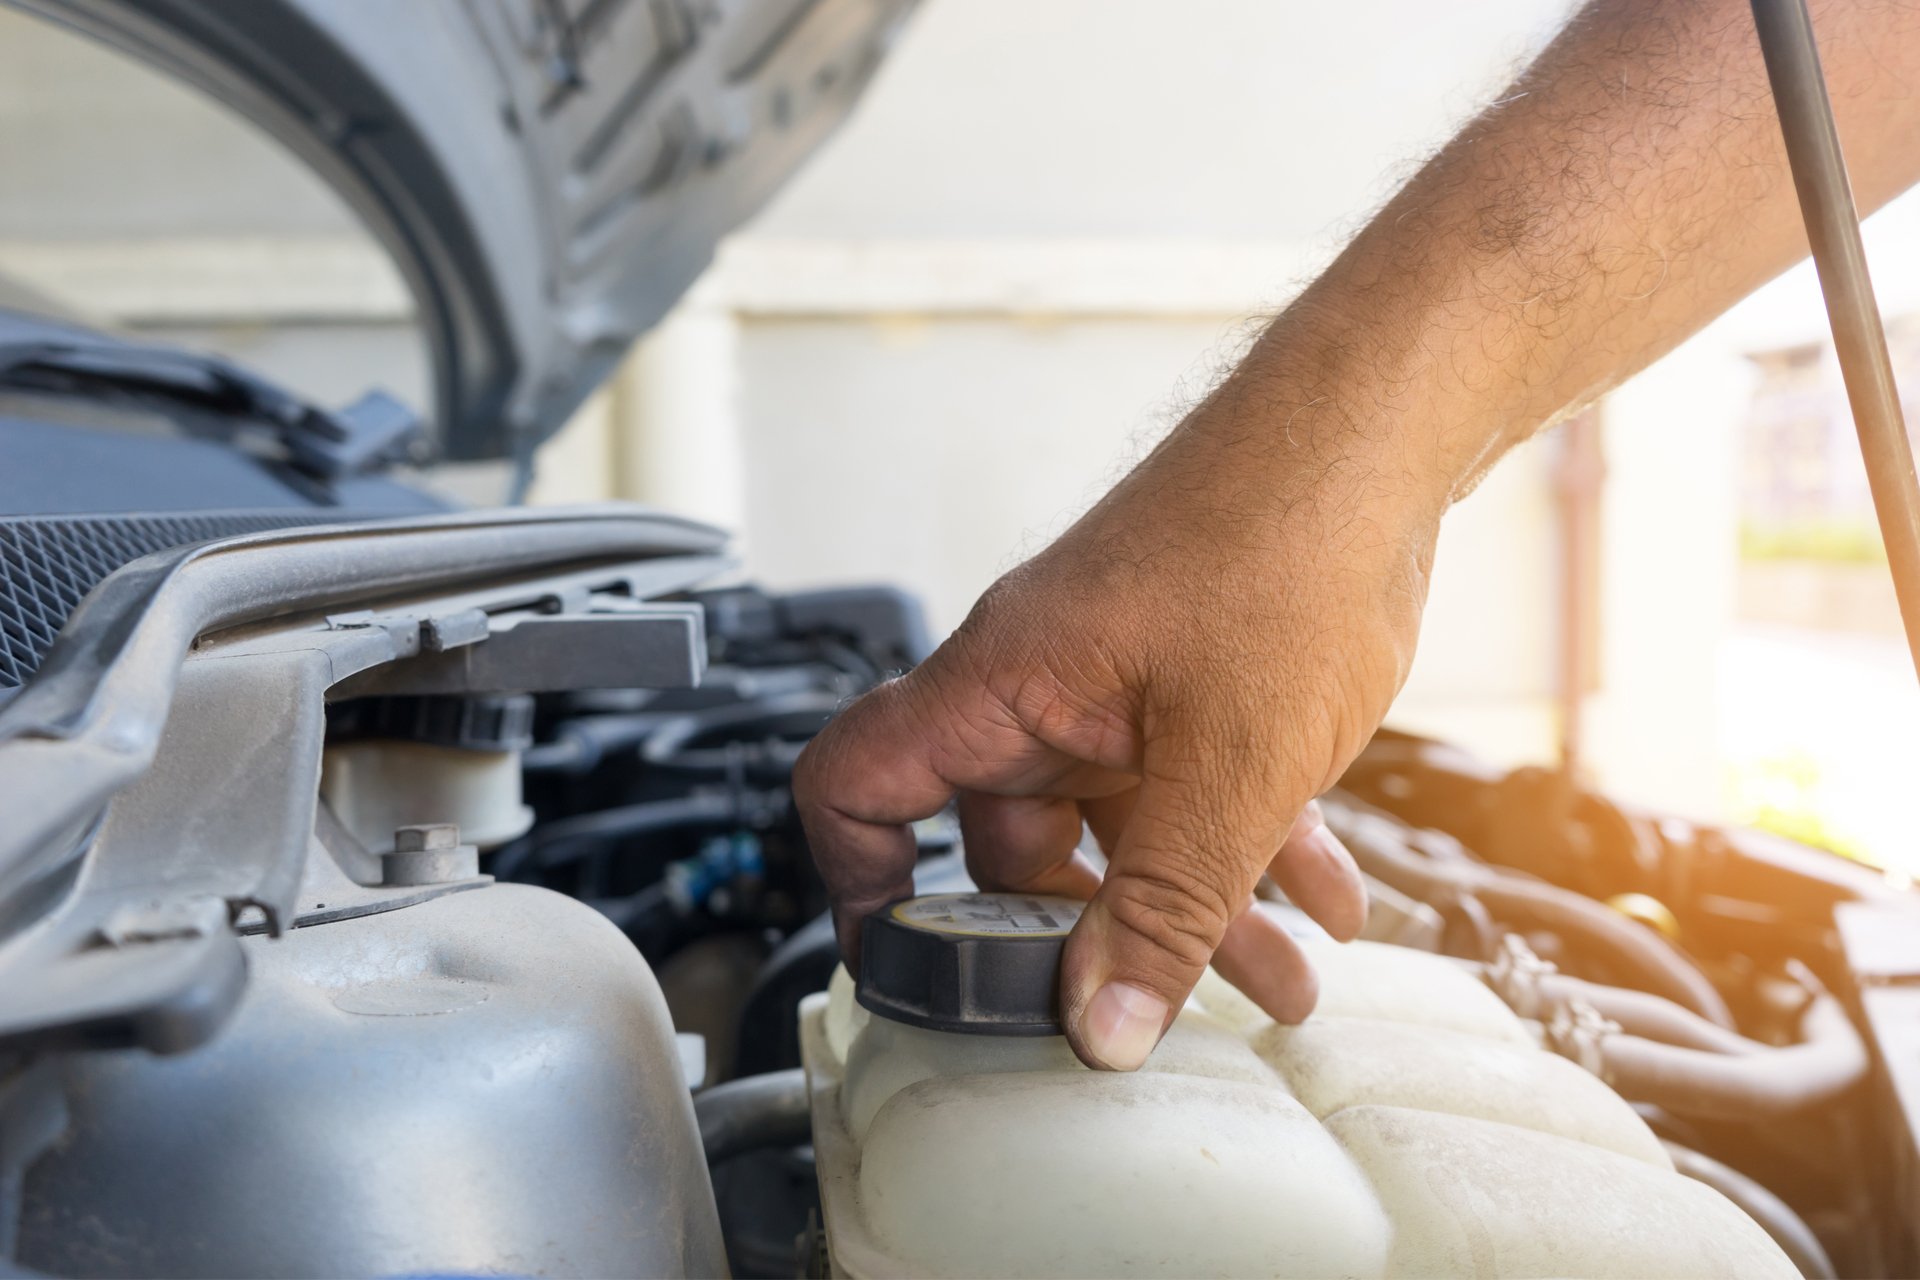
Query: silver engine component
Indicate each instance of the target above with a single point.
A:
(487, 1079)
(280, 1054)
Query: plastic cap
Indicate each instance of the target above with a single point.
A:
(975, 963)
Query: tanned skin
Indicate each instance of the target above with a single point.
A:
(1209, 647)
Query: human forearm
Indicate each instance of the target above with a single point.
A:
(1626, 190)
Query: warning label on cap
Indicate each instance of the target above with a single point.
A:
(992, 915)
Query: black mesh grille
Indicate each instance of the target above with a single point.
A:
(48, 563)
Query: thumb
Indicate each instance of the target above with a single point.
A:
(1184, 867)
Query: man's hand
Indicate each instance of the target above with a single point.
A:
(1184, 671)
(1209, 647)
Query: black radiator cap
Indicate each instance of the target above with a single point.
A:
(983, 964)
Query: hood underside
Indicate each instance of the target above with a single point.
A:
(550, 175)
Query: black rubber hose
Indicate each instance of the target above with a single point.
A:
(583, 742)
(667, 746)
(753, 1113)
(1829, 1060)
(1651, 1017)
(767, 1031)
(626, 910)
(1377, 846)
(1794, 1236)
(1621, 941)
(542, 847)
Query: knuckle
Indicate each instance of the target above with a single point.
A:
(1180, 915)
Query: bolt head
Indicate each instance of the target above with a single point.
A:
(427, 835)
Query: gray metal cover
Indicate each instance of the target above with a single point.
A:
(549, 175)
(482, 1083)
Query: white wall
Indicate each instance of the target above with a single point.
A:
(100, 146)
(1485, 672)
(1111, 118)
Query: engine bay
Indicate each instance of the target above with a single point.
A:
(444, 913)
(389, 889)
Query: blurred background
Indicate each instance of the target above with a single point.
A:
(1044, 232)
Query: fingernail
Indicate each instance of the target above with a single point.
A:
(1121, 1025)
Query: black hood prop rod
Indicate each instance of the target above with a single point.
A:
(1833, 229)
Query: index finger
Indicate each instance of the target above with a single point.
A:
(857, 786)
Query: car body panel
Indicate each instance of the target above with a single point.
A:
(549, 177)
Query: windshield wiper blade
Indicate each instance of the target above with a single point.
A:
(375, 430)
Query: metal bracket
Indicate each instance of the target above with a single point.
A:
(653, 646)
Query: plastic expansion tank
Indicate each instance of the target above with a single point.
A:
(1411, 1127)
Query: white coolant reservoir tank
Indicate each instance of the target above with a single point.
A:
(957, 1135)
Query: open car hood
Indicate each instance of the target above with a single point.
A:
(550, 175)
